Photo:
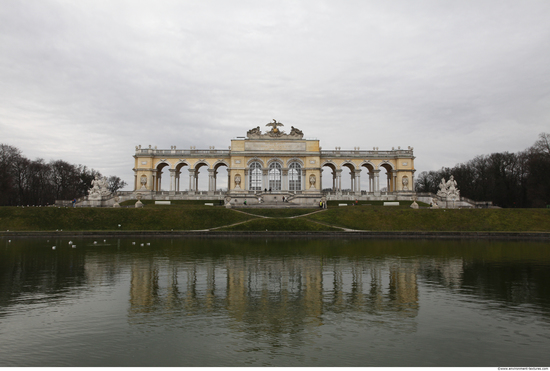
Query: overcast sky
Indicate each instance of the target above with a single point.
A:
(87, 81)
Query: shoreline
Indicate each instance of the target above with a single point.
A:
(284, 234)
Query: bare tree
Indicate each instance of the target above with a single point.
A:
(115, 183)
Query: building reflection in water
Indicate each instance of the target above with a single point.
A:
(279, 293)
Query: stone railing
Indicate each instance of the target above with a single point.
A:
(369, 153)
(182, 152)
(224, 152)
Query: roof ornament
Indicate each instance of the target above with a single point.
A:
(274, 125)
(274, 133)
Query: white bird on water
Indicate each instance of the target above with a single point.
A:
(53, 247)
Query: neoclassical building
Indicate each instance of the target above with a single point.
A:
(276, 163)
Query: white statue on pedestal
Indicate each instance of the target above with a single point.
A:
(312, 181)
(237, 181)
(405, 183)
(100, 188)
(452, 191)
(442, 188)
(448, 189)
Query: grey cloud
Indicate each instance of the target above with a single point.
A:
(453, 79)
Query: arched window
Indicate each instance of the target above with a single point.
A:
(275, 176)
(255, 176)
(295, 177)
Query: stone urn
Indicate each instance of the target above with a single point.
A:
(139, 204)
(414, 205)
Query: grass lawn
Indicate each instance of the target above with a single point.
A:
(279, 213)
(407, 219)
(90, 219)
(277, 224)
(195, 215)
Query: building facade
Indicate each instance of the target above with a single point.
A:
(276, 162)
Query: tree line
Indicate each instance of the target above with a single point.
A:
(507, 179)
(37, 182)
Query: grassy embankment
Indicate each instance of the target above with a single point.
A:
(149, 218)
(438, 220)
(194, 215)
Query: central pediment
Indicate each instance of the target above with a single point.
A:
(274, 133)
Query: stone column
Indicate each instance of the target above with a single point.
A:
(246, 184)
(376, 180)
(150, 180)
(265, 179)
(394, 182)
(370, 181)
(196, 180)
(358, 181)
(211, 181)
(215, 180)
(191, 181)
(155, 183)
(305, 186)
(339, 180)
(172, 180)
(412, 183)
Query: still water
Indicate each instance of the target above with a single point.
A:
(275, 302)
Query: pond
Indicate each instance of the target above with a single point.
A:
(274, 302)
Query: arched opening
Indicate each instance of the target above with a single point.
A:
(295, 176)
(219, 179)
(388, 186)
(180, 178)
(348, 177)
(200, 177)
(367, 180)
(329, 178)
(160, 184)
(255, 176)
(274, 176)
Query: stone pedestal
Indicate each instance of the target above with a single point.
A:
(139, 204)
